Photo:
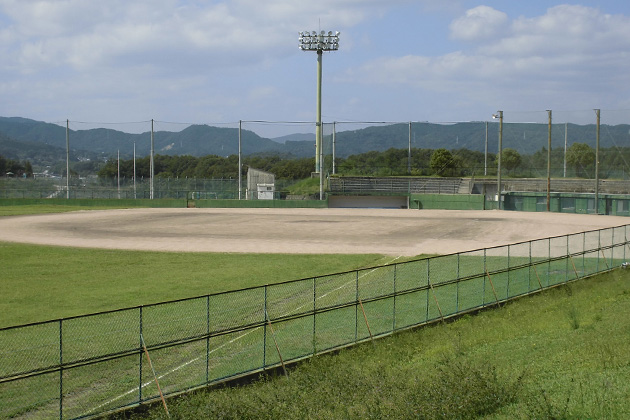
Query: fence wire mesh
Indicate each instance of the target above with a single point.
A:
(89, 365)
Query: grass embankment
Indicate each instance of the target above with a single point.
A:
(559, 354)
(48, 208)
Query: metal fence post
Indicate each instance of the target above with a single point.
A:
(599, 246)
(394, 305)
(314, 316)
(140, 355)
(507, 288)
(612, 247)
(566, 270)
(265, 329)
(208, 336)
(485, 270)
(457, 287)
(356, 308)
(60, 369)
(584, 253)
(426, 318)
(529, 272)
(548, 261)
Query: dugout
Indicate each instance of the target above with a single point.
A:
(581, 203)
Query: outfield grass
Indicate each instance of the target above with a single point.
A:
(559, 354)
(46, 282)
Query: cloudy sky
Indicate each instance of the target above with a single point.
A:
(212, 61)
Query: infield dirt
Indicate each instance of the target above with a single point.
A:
(306, 231)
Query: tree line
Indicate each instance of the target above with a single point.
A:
(15, 168)
(580, 161)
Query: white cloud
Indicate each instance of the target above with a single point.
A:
(569, 50)
(480, 23)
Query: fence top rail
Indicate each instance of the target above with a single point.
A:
(207, 296)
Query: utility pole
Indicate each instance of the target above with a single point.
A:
(499, 115)
(68, 159)
(597, 114)
(240, 164)
(549, 162)
(409, 153)
(152, 163)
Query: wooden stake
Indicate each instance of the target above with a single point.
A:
(604, 257)
(284, 369)
(365, 317)
(436, 301)
(574, 269)
(146, 352)
(493, 289)
(536, 271)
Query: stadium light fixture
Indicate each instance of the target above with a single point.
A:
(319, 42)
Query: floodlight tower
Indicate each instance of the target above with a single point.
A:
(324, 41)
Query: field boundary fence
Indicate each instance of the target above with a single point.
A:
(86, 366)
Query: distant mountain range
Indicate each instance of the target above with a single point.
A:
(22, 138)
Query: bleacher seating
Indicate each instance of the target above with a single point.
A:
(368, 185)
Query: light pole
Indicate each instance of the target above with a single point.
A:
(324, 41)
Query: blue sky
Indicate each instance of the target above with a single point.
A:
(218, 62)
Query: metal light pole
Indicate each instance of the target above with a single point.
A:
(324, 41)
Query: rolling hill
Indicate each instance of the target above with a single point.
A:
(22, 138)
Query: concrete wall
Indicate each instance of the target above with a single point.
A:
(616, 205)
(447, 201)
(94, 202)
(311, 204)
(368, 201)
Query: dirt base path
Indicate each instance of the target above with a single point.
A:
(313, 231)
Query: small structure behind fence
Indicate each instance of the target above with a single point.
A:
(89, 365)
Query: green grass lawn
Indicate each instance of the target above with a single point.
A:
(48, 208)
(51, 282)
(561, 354)
(46, 282)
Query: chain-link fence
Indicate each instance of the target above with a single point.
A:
(88, 365)
(536, 144)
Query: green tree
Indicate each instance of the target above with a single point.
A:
(582, 157)
(28, 169)
(442, 162)
(510, 159)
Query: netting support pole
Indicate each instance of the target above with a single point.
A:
(240, 163)
(68, 159)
